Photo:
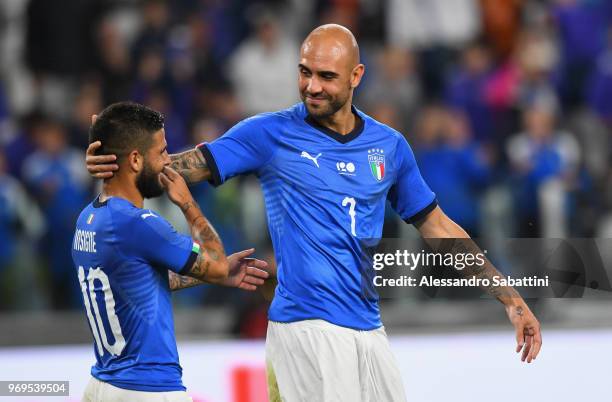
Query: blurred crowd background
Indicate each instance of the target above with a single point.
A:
(506, 103)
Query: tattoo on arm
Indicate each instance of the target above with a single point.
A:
(486, 271)
(200, 266)
(186, 206)
(211, 247)
(442, 234)
(202, 231)
(178, 282)
(191, 165)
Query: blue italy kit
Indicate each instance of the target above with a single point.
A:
(323, 193)
(122, 255)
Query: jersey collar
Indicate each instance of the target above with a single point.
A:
(343, 139)
(98, 204)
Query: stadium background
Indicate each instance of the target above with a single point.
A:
(506, 103)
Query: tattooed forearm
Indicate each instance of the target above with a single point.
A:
(191, 165)
(211, 263)
(467, 246)
(208, 234)
(178, 282)
(186, 206)
(442, 234)
(200, 267)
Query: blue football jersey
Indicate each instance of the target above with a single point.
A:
(325, 193)
(122, 255)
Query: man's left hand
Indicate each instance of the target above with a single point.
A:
(528, 334)
(244, 272)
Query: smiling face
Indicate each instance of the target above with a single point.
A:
(329, 70)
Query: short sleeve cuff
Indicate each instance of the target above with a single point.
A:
(423, 212)
(190, 261)
(215, 178)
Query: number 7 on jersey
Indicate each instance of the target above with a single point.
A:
(350, 201)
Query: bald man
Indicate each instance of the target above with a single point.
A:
(326, 170)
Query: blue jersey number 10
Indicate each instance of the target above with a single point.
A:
(97, 327)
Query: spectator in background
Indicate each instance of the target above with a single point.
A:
(262, 69)
(21, 144)
(544, 162)
(154, 34)
(395, 81)
(4, 115)
(150, 72)
(114, 63)
(175, 126)
(345, 13)
(58, 49)
(453, 164)
(518, 81)
(181, 74)
(19, 216)
(582, 26)
(54, 174)
(417, 23)
(208, 71)
(599, 90)
(87, 103)
(595, 124)
(435, 29)
(467, 88)
(536, 58)
(501, 20)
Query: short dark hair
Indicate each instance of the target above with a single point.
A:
(125, 126)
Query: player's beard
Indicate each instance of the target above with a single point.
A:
(148, 183)
(325, 109)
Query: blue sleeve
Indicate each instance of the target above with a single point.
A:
(153, 239)
(245, 148)
(410, 196)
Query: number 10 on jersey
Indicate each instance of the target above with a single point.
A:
(97, 327)
(350, 201)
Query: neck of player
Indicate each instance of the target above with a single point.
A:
(342, 122)
(122, 187)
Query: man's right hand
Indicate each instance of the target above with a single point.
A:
(175, 187)
(100, 166)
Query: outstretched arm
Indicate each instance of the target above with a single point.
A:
(178, 282)
(244, 273)
(191, 165)
(436, 227)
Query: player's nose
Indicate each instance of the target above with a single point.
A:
(313, 87)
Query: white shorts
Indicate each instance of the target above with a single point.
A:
(99, 391)
(316, 361)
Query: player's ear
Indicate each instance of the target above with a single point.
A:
(135, 161)
(356, 75)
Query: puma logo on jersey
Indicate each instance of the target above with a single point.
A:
(312, 158)
(145, 216)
